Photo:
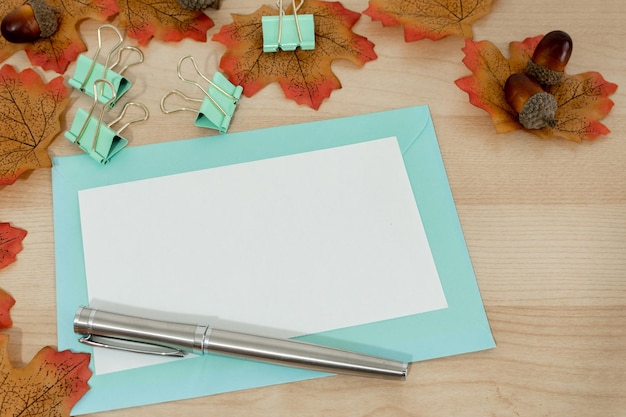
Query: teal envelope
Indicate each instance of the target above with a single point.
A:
(460, 328)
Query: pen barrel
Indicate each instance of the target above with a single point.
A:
(186, 337)
(303, 355)
(203, 339)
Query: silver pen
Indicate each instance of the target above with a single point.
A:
(141, 335)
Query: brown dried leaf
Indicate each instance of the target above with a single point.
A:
(429, 19)
(163, 19)
(30, 113)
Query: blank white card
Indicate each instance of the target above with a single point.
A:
(285, 246)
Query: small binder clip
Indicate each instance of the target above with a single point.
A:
(94, 136)
(216, 109)
(88, 70)
(288, 32)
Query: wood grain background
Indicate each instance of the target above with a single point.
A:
(544, 220)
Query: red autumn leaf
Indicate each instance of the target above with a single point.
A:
(58, 51)
(6, 302)
(163, 19)
(48, 386)
(10, 243)
(582, 98)
(30, 113)
(304, 75)
(430, 19)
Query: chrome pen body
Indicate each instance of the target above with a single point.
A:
(112, 330)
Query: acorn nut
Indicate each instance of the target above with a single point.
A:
(536, 108)
(550, 57)
(195, 5)
(29, 22)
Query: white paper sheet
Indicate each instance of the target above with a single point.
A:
(285, 246)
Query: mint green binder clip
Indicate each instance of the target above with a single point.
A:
(216, 108)
(288, 32)
(93, 135)
(88, 70)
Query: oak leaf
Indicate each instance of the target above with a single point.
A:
(30, 111)
(304, 75)
(6, 302)
(10, 243)
(166, 20)
(429, 19)
(48, 386)
(582, 98)
(58, 51)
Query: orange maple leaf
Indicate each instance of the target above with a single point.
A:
(166, 20)
(10, 243)
(6, 302)
(430, 19)
(48, 386)
(29, 120)
(56, 52)
(304, 75)
(582, 99)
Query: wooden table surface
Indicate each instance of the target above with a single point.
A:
(544, 220)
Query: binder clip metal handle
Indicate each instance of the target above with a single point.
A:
(288, 32)
(118, 60)
(219, 100)
(281, 14)
(88, 70)
(113, 49)
(146, 114)
(96, 94)
(184, 97)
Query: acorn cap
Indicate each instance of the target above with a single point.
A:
(46, 17)
(195, 5)
(538, 111)
(543, 75)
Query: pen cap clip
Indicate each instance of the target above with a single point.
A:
(130, 346)
(186, 337)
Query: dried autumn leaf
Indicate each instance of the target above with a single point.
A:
(48, 386)
(58, 51)
(10, 243)
(582, 99)
(163, 19)
(430, 19)
(29, 120)
(304, 76)
(6, 302)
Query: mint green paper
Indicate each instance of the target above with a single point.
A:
(460, 328)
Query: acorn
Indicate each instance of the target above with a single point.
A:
(196, 5)
(550, 57)
(29, 22)
(535, 107)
